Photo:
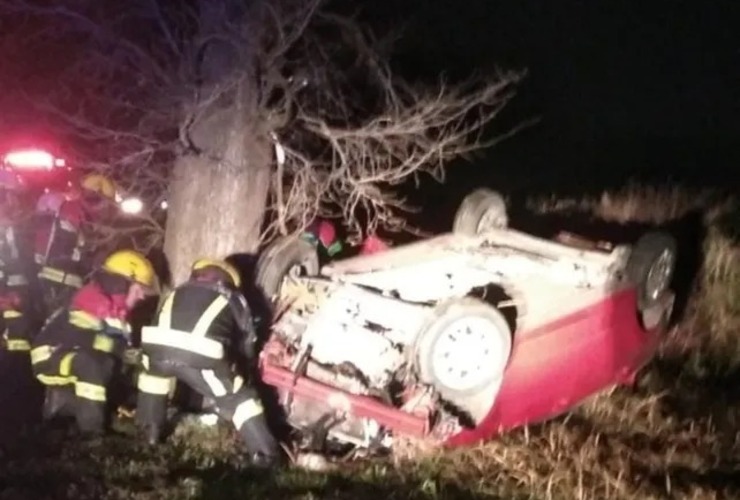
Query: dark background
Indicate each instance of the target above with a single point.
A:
(644, 90)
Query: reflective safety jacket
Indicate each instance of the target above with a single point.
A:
(15, 290)
(93, 321)
(198, 325)
(59, 243)
(13, 267)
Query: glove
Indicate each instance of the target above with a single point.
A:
(132, 356)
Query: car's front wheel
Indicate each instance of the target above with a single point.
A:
(285, 257)
(462, 351)
(482, 210)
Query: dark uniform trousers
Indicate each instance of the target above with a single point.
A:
(234, 402)
(189, 345)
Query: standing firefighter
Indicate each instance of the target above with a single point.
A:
(79, 351)
(199, 325)
(60, 235)
(17, 318)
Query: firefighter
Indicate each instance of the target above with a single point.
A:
(60, 235)
(80, 348)
(200, 327)
(372, 245)
(17, 318)
(323, 234)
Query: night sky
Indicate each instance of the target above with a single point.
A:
(648, 88)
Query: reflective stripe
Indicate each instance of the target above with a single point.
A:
(67, 226)
(57, 276)
(12, 314)
(42, 353)
(334, 249)
(152, 384)
(104, 343)
(85, 320)
(168, 337)
(205, 320)
(65, 365)
(93, 392)
(118, 324)
(165, 314)
(238, 383)
(16, 280)
(11, 244)
(217, 387)
(245, 411)
(55, 379)
(18, 345)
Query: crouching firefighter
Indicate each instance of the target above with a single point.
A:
(198, 325)
(79, 350)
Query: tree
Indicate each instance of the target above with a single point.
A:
(193, 108)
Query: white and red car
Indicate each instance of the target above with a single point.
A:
(459, 337)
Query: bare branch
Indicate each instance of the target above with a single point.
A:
(353, 133)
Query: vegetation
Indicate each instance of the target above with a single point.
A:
(673, 435)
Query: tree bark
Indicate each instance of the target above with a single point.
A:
(216, 208)
(217, 199)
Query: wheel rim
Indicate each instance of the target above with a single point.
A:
(293, 273)
(491, 219)
(468, 353)
(659, 275)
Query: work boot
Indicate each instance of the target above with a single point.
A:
(261, 460)
(57, 401)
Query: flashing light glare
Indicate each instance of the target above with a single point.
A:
(31, 158)
(163, 205)
(132, 206)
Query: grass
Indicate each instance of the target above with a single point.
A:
(674, 435)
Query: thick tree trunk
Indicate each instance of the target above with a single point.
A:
(217, 199)
(216, 208)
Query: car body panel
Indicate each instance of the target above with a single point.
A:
(575, 320)
(556, 366)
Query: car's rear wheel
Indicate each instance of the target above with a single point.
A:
(287, 256)
(482, 210)
(651, 266)
(462, 351)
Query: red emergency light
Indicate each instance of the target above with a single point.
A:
(32, 159)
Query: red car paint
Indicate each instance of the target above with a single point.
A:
(552, 368)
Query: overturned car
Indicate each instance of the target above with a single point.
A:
(459, 337)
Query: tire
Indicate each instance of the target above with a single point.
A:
(651, 266)
(280, 258)
(436, 344)
(482, 210)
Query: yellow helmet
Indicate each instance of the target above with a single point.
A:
(222, 265)
(132, 265)
(99, 184)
